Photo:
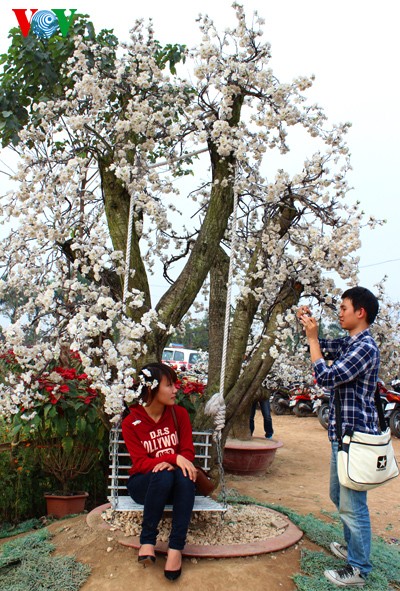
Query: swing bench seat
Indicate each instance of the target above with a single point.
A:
(120, 464)
(126, 503)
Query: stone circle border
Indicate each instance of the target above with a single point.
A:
(289, 537)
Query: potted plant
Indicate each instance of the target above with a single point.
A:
(62, 422)
(245, 454)
(190, 392)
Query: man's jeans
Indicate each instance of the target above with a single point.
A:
(154, 490)
(353, 511)
(266, 413)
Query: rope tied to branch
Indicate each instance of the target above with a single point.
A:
(216, 406)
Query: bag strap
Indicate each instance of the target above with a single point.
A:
(177, 431)
(379, 408)
(338, 414)
(175, 421)
(338, 418)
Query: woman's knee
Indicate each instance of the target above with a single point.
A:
(137, 487)
(183, 482)
(163, 480)
(139, 484)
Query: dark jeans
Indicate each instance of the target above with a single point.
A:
(154, 490)
(266, 413)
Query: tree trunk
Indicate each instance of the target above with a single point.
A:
(175, 303)
(116, 203)
(244, 392)
(240, 426)
(247, 306)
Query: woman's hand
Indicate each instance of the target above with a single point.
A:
(163, 466)
(187, 467)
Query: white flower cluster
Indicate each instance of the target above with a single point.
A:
(130, 131)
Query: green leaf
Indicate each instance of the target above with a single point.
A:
(16, 429)
(81, 425)
(34, 71)
(67, 443)
(47, 408)
(60, 426)
(91, 415)
(36, 421)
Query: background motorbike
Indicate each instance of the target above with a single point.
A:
(321, 408)
(302, 401)
(391, 407)
(279, 400)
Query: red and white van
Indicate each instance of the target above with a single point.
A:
(180, 357)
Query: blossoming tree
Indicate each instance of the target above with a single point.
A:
(129, 168)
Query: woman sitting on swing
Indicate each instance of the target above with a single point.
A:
(158, 436)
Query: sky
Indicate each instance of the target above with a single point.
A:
(352, 48)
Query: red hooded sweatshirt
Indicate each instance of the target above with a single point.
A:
(150, 443)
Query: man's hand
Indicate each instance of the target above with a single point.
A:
(187, 467)
(303, 311)
(310, 326)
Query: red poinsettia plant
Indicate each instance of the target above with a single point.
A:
(62, 401)
(190, 393)
(60, 416)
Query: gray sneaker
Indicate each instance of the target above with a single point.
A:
(349, 576)
(339, 550)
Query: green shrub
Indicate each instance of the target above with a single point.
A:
(21, 494)
(23, 481)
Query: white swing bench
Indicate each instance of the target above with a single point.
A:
(120, 463)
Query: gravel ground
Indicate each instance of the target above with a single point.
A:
(240, 524)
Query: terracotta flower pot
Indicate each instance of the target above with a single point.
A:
(62, 505)
(249, 457)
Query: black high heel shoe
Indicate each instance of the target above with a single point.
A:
(146, 559)
(172, 575)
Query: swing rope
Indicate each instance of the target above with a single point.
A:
(129, 240)
(216, 405)
(114, 433)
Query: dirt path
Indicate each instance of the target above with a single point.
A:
(298, 479)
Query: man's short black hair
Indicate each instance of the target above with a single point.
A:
(361, 297)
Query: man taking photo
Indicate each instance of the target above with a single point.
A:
(353, 374)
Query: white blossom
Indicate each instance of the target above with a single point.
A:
(294, 226)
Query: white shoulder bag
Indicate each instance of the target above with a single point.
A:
(364, 460)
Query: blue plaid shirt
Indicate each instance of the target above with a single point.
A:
(354, 374)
